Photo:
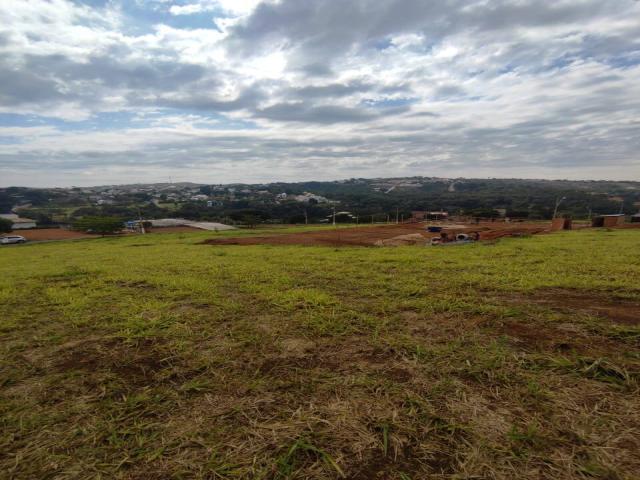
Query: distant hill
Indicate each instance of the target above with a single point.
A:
(291, 202)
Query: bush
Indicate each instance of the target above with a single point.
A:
(5, 225)
(100, 225)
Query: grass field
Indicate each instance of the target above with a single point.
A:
(158, 357)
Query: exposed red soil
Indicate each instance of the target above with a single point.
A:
(617, 310)
(49, 234)
(367, 236)
(549, 338)
(41, 234)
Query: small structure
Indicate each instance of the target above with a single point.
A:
(341, 217)
(181, 222)
(635, 218)
(419, 215)
(560, 224)
(607, 220)
(19, 223)
(441, 215)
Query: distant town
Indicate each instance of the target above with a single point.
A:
(352, 200)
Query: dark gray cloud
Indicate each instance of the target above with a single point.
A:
(45, 76)
(187, 99)
(19, 86)
(333, 27)
(331, 90)
(326, 114)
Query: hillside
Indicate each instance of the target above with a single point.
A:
(314, 201)
(163, 357)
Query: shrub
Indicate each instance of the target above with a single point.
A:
(5, 225)
(100, 225)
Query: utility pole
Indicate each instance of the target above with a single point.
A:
(371, 219)
(622, 207)
(334, 216)
(141, 222)
(397, 214)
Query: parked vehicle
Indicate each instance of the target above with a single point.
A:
(12, 239)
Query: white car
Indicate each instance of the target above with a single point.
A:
(12, 239)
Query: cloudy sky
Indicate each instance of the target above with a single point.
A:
(122, 91)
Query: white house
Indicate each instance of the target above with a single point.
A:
(19, 223)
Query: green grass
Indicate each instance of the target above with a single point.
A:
(160, 357)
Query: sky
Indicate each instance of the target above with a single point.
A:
(100, 92)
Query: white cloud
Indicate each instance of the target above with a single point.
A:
(235, 8)
(186, 9)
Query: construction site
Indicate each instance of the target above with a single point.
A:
(415, 233)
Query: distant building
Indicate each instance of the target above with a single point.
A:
(635, 218)
(306, 197)
(419, 215)
(441, 215)
(607, 220)
(19, 223)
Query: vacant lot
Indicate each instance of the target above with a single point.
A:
(367, 236)
(160, 357)
(44, 234)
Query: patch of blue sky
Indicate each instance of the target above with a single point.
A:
(227, 124)
(126, 120)
(625, 61)
(506, 69)
(17, 120)
(198, 119)
(383, 44)
(100, 121)
(10, 140)
(142, 18)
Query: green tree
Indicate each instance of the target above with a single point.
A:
(5, 225)
(251, 220)
(100, 225)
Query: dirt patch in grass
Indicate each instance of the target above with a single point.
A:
(136, 363)
(617, 310)
(545, 337)
(281, 366)
(345, 358)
